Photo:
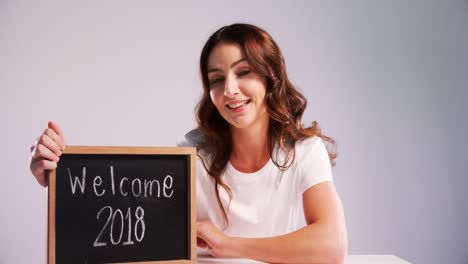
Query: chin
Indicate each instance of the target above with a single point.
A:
(240, 124)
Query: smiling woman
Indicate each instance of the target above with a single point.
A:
(256, 160)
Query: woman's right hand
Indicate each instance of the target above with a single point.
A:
(46, 151)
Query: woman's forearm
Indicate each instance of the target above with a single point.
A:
(314, 243)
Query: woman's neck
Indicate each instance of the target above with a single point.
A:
(250, 147)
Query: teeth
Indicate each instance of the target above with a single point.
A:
(238, 104)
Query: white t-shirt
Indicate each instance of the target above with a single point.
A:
(267, 202)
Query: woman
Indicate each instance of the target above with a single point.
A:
(255, 159)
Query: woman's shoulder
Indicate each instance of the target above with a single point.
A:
(312, 163)
(309, 146)
(309, 143)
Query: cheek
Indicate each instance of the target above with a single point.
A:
(215, 98)
(255, 86)
(259, 93)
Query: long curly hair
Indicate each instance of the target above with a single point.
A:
(285, 105)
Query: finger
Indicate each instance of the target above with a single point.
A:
(211, 252)
(52, 141)
(50, 144)
(55, 137)
(203, 229)
(200, 228)
(58, 131)
(203, 223)
(43, 152)
(39, 169)
(55, 127)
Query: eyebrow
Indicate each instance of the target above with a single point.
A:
(232, 65)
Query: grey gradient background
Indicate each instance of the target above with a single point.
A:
(387, 79)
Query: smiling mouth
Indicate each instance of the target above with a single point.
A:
(238, 104)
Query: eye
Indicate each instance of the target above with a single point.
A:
(243, 73)
(216, 80)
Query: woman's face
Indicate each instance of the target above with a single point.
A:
(237, 92)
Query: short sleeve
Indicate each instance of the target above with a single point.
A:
(313, 163)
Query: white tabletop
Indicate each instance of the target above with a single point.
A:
(374, 259)
(350, 259)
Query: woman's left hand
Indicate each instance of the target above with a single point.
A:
(214, 240)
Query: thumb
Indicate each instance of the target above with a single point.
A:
(56, 129)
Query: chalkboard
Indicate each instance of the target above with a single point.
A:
(122, 205)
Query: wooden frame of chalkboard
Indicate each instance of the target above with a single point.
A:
(167, 203)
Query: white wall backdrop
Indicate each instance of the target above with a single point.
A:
(387, 79)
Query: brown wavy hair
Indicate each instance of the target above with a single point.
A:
(285, 105)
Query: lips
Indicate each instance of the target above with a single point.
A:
(237, 103)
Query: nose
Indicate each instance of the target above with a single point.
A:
(231, 87)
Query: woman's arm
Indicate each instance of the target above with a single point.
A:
(323, 240)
